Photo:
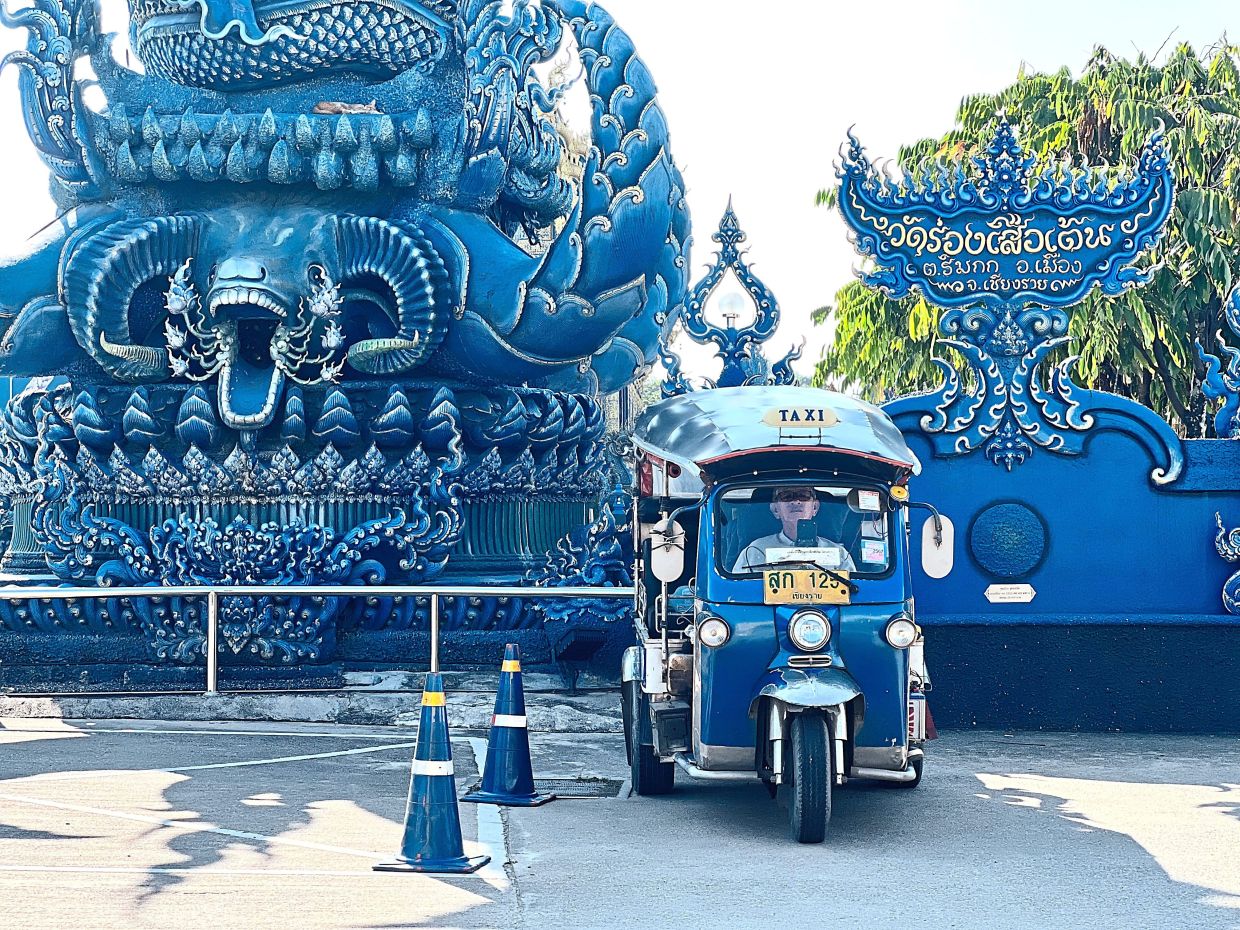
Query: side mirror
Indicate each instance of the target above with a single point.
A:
(667, 551)
(938, 546)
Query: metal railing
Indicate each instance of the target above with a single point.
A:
(214, 593)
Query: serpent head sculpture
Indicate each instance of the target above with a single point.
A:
(297, 191)
(255, 296)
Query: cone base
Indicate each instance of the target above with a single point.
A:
(462, 866)
(508, 800)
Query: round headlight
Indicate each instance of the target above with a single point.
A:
(809, 630)
(901, 632)
(713, 632)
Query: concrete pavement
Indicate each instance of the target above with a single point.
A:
(120, 824)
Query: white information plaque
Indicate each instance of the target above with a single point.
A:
(1010, 593)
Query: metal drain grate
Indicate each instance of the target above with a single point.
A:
(570, 789)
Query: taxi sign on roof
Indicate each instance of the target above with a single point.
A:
(820, 417)
(718, 429)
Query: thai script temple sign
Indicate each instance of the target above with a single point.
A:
(1006, 249)
(306, 333)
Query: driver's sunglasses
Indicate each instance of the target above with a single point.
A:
(796, 496)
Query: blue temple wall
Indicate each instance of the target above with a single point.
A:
(1127, 629)
(1090, 588)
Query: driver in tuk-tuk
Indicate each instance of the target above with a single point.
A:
(790, 505)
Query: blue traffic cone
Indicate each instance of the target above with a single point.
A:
(508, 776)
(432, 841)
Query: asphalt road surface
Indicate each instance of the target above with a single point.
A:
(215, 826)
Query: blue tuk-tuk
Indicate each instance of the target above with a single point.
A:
(774, 614)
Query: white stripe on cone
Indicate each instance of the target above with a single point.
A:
(508, 720)
(423, 767)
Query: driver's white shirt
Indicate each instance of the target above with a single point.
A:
(755, 552)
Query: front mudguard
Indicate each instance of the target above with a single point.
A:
(631, 664)
(805, 687)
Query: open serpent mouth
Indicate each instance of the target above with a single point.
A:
(251, 381)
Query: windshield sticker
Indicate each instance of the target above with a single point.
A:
(868, 501)
(827, 557)
(874, 529)
(874, 552)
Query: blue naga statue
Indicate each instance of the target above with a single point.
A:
(328, 300)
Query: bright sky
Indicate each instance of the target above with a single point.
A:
(759, 96)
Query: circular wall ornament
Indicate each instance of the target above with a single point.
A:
(1008, 540)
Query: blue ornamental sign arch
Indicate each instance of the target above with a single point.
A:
(1005, 249)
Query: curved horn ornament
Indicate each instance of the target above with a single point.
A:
(102, 275)
(409, 264)
(386, 356)
(135, 363)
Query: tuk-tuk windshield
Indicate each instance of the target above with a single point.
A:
(840, 528)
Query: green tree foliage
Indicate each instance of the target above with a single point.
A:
(1139, 345)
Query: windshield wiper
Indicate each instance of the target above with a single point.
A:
(847, 582)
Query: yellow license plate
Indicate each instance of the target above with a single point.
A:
(803, 586)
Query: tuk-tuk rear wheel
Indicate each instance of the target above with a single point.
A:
(650, 776)
(917, 764)
(813, 775)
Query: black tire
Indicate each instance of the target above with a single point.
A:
(813, 776)
(626, 717)
(650, 776)
(918, 763)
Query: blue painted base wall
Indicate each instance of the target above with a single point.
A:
(1138, 676)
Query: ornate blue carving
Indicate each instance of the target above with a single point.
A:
(82, 545)
(511, 151)
(230, 44)
(1222, 380)
(739, 348)
(431, 254)
(1006, 249)
(1228, 546)
(51, 98)
(598, 555)
(1006, 234)
(325, 285)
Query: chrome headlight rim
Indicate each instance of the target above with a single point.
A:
(714, 632)
(900, 632)
(805, 616)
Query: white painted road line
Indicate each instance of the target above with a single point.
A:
(205, 732)
(195, 872)
(361, 750)
(192, 826)
(73, 776)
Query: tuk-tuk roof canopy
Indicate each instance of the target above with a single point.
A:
(721, 430)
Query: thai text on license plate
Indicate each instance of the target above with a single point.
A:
(803, 586)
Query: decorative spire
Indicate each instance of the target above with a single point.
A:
(739, 348)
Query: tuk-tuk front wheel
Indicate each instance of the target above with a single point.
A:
(650, 776)
(812, 777)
